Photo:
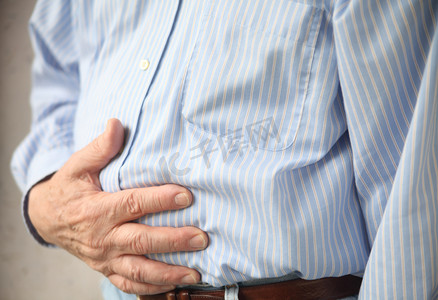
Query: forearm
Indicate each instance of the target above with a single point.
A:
(54, 95)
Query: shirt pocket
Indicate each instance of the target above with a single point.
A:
(249, 71)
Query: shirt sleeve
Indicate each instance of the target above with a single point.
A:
(54, 95)
(388, 67)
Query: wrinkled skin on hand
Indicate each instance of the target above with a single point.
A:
(71, 211)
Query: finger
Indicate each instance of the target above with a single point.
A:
(133, 238)
(132, 287)
(97, 154)
(132, 204)
(140, 269)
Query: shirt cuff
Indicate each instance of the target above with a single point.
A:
(42, 166)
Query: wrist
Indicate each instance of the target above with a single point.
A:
(38, 210)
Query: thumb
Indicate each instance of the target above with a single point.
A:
(97, 154)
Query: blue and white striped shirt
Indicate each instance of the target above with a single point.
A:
(307, 131)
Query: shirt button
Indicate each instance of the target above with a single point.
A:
(144, 64)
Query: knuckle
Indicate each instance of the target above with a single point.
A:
(179, 239)
(131, 203)
(93, 242)
(126, 286)
(94, 246)
(92, 253)
(96, 145)
(135, 273)
(167, 277)
(97, 242)
(157, 200)
(140, 243)
(98, 253)
(176, 243)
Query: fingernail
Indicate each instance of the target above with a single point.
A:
(107, 126)
(189, 279)
(198, 242)
(182, 200)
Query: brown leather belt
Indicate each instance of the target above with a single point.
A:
(325, 288)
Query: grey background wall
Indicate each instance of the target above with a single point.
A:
(27, 270)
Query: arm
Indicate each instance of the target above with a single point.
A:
(68, 209)
(387, 56)
(55, 90)
(404, 255)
